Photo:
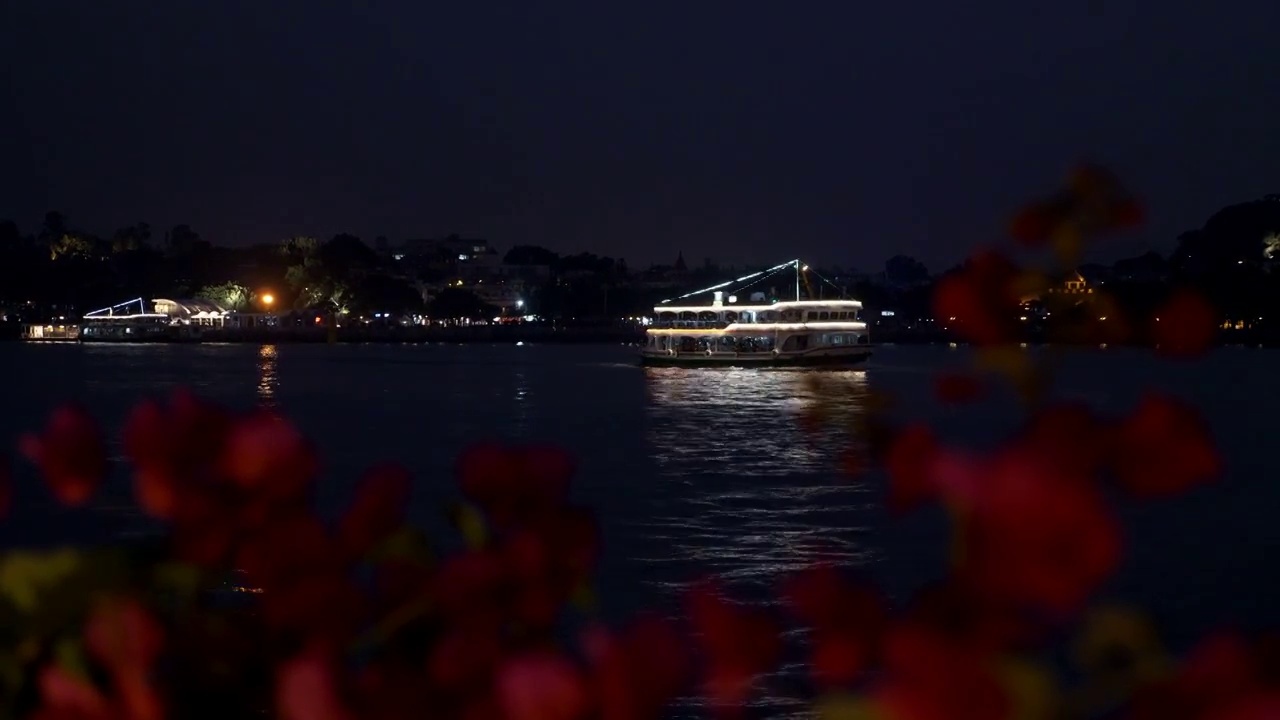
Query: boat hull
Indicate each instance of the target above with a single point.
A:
(724, 360)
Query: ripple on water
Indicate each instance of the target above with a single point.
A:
(745, 494)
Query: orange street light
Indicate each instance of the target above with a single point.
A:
(267, 299)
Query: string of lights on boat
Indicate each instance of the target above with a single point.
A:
(802, 272)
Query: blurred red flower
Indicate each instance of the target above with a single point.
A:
(1069, 436)
(1217, 678)
(1185, 326)
(122, 635)
(845, 622)
(70, 697)
(470, 584)
(1163, 448)
(738, 644)
(266, 455)
(1035, 537)
(177, 443)
(381, 499)
(909, 463)
(957, 388)
(979, 302)
(307, 687)
(1093, 201)
(513, 484)
(541, 686)
(929, 678)
(637, 673)
(466, 656)
(70, 454)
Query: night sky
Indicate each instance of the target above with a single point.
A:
(747, 132)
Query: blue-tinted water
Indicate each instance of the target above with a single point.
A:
(690, 471)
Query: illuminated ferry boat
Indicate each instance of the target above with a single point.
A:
(760, 332)
(158, 320)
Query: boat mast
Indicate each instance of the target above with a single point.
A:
(797, 261)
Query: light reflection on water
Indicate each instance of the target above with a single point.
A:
(268, 380)
(747, 494)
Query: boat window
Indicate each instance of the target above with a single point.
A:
(796, 342)
(731, 317)
(824, 315)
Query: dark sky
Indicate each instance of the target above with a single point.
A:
(749, 132)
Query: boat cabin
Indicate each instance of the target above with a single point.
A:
(801, 332)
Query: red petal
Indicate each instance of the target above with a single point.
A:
(739, 644)
(122, 632)
(306, 689)
(268, 455)
(839, 658)
(548, 471)
(289, 547)
(155, 492)
(465, 657)
(541, 686)
(1034, 225)
(1164, 448)
(1185, 326)
(978, 303)
(1037, 539)
(514, 485)
(929, 678)
(909, 463)
(1068, 436)
(1128, 214)
(66, 692)
(469, 583)
(378, 509)
(71, 454)
(957, 389)
(485, 471)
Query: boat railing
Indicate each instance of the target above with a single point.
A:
(692, 324)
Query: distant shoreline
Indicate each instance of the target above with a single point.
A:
(542, 334)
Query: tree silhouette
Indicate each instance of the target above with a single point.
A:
(131, 238)
(905, 271)
(55, 226)
(530, 255)
(182, 240)
(10, 237)
(458, 303)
